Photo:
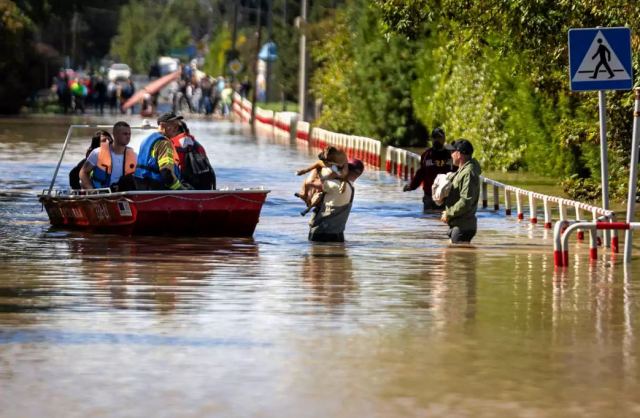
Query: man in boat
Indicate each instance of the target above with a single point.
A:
(112, 164)
(433, 161)
(158, 165)
(462, 201)
(330, 218)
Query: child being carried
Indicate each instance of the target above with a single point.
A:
(331, 164)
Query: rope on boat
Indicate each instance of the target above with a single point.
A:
(153, 199)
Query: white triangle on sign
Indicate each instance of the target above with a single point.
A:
(597, 56)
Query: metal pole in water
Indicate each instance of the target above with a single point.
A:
(604, 159)
(302, 73)
(64, 148)
(633, 176)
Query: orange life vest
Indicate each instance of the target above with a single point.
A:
(101, 175)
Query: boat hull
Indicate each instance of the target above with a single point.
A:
(191, 212)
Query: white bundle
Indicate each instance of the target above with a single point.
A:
(441, 187)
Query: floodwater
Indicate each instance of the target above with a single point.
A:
(393, 323)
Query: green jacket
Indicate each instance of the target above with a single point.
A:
(462, 202)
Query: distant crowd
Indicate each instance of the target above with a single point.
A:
(194, 92)
(79, 91)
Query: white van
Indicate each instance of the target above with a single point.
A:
(168, 65)
(118, 71)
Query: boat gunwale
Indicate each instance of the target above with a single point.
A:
(82, 196)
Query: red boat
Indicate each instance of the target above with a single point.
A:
(176, 212)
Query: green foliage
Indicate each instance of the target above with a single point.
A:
(333, 82)
(215, 60)
(492, 72)
(16, 42)
(365, 80)
(147, 31)
(408, 18)
(286, 38)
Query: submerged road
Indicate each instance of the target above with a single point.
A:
(394, 322)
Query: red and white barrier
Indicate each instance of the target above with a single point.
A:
(402, 163)
(302, 130)
(561, 239)
(365, 149)
(284, 124)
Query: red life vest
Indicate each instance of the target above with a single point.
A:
(180, 150)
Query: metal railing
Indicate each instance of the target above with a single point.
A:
(403, 164)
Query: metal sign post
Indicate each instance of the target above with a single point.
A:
(633, 177)
(604, 159)
(599, 60)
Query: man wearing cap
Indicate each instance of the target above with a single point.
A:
(462, 201)
(157, 167)
(433, 161)
(330, 218)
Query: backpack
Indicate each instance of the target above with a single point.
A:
(198, 171)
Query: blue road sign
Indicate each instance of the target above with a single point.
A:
(600, 59)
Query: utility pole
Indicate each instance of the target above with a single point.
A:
(234, 39)
(74, 34)
(254, 95)
(269, 36)
(302, 76)
(234, 35)
(282, 94)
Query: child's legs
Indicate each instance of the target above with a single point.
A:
(312, 181)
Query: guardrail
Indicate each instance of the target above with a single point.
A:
(563, 229)
(404, 164)
(365, 149)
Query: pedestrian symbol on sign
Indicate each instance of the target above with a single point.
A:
(601, 62)
(605, 55)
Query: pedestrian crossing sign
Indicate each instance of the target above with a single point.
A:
(600, 59)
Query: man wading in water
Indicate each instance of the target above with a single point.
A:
(330, 218)
(462, 201)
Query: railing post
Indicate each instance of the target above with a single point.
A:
(557, 243)
(484, 194)
(615, 248)
(547, 214)
(519, 206)
(496, 198)
(580, 233)
(507, 202)
(593, 244)
(388, 160)
(594, 218)
(562, 211)
(405, 168)
(533, 215)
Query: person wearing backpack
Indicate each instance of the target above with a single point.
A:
(192, 160)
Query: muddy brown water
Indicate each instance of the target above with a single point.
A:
(392, 323)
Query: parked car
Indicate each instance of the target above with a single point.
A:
(119, 71)
(168, 65)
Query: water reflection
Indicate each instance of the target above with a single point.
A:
(328, 270)
(157, 273)
(398, 321)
